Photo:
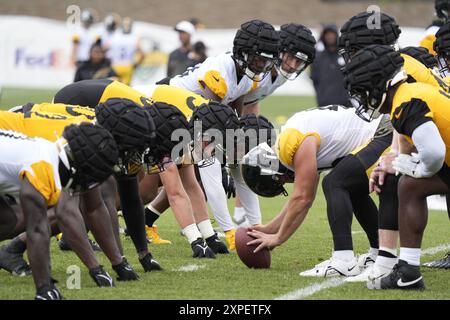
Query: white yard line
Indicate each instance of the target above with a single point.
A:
(336, 282)
(190, 268)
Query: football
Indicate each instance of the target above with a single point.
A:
(259, 260)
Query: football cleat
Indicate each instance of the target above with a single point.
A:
(201, 249)
(14, 263)
(333, 268)
(372, 272)
(443, 263)
(154, 237)
(216, 245)
(403, 276)
(101, 277)
(150, 264)
(230, 237)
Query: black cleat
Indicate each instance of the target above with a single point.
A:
(150, 264)
(443, 263)
(201, 249)
(101, 277)
(216, 244)
(14, 263)
(403, 276)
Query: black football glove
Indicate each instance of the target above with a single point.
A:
(201, 249)
(125, 271)
(48, 293)
(216, 244)
(101, 277)
(228, 183)
(150, 264)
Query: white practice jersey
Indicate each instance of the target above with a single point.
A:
(265, 88)
(339, 130)
(34, 158)
(85, 38)
(122, 48)
(219, 75)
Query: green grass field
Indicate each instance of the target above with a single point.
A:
(226, 278)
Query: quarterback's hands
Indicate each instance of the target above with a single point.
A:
(378, 174)
(263, 240)
(408, 165)
(228, 184)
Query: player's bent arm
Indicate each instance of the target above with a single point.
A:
(177, 196)
(430, 147)
(305, 186)
(209, 94)
(252, 108)
(238, 105)
(38, 233)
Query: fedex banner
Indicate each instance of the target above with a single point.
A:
(35, 52)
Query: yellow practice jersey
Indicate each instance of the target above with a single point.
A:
(429, 39)
(101, 90)
(43, 124)
(417, 103)
(418, 72)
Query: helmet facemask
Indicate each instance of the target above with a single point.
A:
(444, 63)
(256, 66)
(295, 63)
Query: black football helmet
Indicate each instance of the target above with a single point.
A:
(358, 33)
(442, 47)
(255, 48)
(298, 43)
(442, 9)
(368, 77)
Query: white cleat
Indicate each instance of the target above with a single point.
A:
(333, 268)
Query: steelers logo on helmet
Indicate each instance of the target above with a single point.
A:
(422, 55)
(133, 130)
(367, 28)
(442, 48)
(370, 74)
(255, 48)
(89, 156)
(442, 8)
(297, 50)
(167, 119)
(212, 125)
(263, 172)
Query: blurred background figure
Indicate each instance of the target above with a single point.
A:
(125, 52)
(97, 67)
(179, 59)
(197, 24)
(326, 72)
(83, 38)
(198, 54)
(110, 25)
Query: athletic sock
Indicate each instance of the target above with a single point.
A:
(373, 252)
(386, 258)
(410, 255)
(239, 213)
(192, 233)
(344, 255)
(151, 215)
(206, 228)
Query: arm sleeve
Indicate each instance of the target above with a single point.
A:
(133, 210)
(430, 147)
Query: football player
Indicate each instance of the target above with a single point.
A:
(310, 142)
(378, 85)
(34, 172)
(227, 78)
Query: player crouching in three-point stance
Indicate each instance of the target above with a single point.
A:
(377, 84)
